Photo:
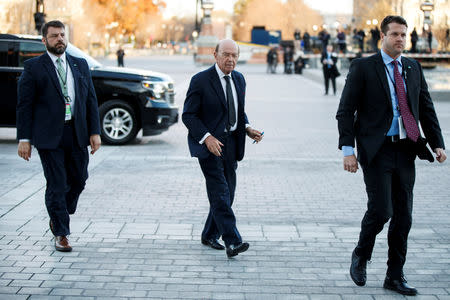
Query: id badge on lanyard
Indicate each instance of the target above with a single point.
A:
(401, 128)
(68, 110)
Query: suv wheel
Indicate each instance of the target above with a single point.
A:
(118, 122)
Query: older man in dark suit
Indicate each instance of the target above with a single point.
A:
(57, 113)
(384, 99)
(215, 117)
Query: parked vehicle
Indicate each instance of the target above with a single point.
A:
(128, 99)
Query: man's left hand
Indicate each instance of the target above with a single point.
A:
(440, 155)
(254, 134)
(95, 142)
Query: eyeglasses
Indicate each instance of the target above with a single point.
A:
(56, 35)
(232, 55)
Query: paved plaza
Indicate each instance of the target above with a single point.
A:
(136, 233)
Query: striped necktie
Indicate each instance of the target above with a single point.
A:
(62, 76)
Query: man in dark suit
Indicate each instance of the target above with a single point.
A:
(57, 113)
(215, 117)
(330, 71)
(414, 39)
(381, 109)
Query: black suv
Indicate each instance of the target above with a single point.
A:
(128, 99)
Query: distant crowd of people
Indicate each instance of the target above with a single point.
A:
(294, 59)
(364, 40)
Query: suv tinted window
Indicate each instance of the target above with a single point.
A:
(28, 49)
(3, 54)
(8, 54)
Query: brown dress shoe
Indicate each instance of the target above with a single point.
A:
(62, 244)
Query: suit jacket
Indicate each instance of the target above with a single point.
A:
(333, 71)
(41, 106)
(365, 110)
(205, 110)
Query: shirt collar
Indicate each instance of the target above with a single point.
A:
(387, 59)
(219, 72)
(54, 57)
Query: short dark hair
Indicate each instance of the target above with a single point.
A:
(391, 19)
(54, 23)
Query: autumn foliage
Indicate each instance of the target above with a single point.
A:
(129, 15)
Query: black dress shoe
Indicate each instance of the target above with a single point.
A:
(213, 243)
(400, 286)
(358, 269)
(234, 250)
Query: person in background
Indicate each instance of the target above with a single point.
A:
(330, 71)
(430, 40)
(324, 37)
(120, 54)
(361, 37)
(414, 39)
(341, 40)
(447, 39)
(306, 41)
(288, 60)
(375, 33)
(272, 60)
(298, 62)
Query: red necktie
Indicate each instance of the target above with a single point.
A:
(412, 131)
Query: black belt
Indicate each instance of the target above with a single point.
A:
(68, 122)
(393, 139)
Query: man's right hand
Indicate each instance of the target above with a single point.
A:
(24, 150)
(351, 163)
(214, 145)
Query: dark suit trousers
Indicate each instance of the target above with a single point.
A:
(327, 77)
(220, 176)
(389, 180)
(65, 169)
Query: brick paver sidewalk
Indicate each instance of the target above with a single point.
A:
(136, 233)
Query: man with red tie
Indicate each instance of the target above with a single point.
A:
(384, 99)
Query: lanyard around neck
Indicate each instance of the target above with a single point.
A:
(64, 80)
(392, 79)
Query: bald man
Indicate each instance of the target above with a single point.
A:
(217, 124)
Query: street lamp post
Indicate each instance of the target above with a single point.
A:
(206, 41)
(427, 6)
(39, 15)
(197, 24)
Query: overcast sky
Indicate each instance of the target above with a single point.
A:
(187, 7)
